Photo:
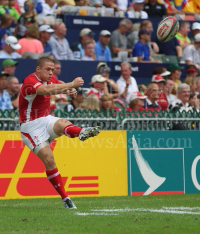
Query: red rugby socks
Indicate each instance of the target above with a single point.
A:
(55, 179)
(72, 131)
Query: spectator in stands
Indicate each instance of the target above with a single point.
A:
(192, 71)
(45, 34)
(141, 49)
(162, 100)
(107, 103)
(90, 103)
(57, 68)
(118, 37)
(96, 3)
(155, 9)
(195, 28)
(137, 102)
(169, 86)
(48, 8)
(59, 44)
(13, 89)
(175, 70)
(171, 47)
(89, 51)
(10, 49)
(9, 66)
(5, 101)
(133, 37)
(104, 70)
(31, 42)
(86, 34)
(124, 5)
(102, 50)
(194, 101)
(182, 103)
(192, 82)
(110, 4)
(81, 3)
(126, 83)
(191, 53)
(151, 103)
(27, 18)
(182, 35)
(99, 87)
(137, 11)
(187, 7)
(11, 9)
(6, 22)
(76, 101)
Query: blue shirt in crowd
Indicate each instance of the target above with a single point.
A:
(47, 48)
(141, 50)
(5, 101)
(102, 54)
(169, 47)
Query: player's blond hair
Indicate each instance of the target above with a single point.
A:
(91, 103)
(40, 63)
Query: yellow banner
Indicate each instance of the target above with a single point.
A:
(96, 167)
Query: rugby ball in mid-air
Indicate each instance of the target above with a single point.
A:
(167, 29)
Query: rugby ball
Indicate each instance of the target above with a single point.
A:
(167, 29)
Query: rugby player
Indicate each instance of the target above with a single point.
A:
(38, 128)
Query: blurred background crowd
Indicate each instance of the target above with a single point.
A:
(33, 29)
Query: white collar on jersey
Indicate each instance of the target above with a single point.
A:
(40, 80)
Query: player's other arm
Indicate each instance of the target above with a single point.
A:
(59, 88)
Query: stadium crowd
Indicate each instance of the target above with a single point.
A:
(23, 36)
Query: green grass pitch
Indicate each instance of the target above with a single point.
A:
(170, 214)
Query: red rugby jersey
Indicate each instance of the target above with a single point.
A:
(31, 105)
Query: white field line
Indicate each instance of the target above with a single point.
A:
(182, 208)
(165, 211)
(85, 214)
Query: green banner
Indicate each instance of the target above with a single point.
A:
(163, 162)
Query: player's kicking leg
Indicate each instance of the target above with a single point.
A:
(62, 126)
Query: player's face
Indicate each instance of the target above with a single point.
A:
(46, 71)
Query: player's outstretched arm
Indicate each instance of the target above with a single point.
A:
(59, 88)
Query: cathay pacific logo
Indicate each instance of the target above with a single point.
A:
(154, 181)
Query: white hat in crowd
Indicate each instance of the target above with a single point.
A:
(166, 73)
(157, 78)
(196, 26)
(97, 78)
(46, 28)
(13, 42)
(197, 37)
(137, 95)
(138, 1)
(87, 32)
(105, 33)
